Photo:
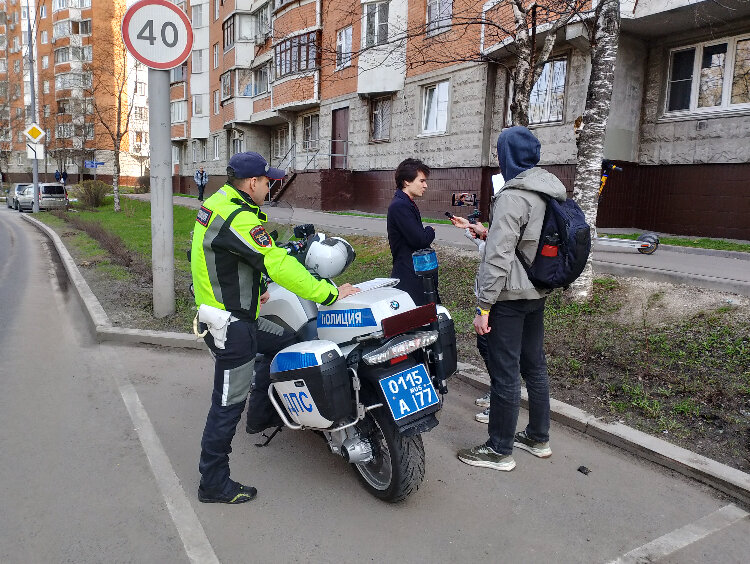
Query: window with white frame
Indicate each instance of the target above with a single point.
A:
(217, 103)
(62, 55)
(175, 155)
(376, 23)
(140, 88)
(64, 130)
(61, 29)
(245, 27)
(59, 5)
(439, 16)
(217, 8)
(45, 61)
(42, 11)
(435, 108)
(84, 3)
(47, 110)
(198, 16)
(226, 85)
(237, 144)
(216, 55)
(45, 87)
(710, 76)
(85, 53)
(178, 111)
(194, 145)
(199, 104)
(3, 68)
(260, 80)
(44, 37)
(310, 132)
(344, 48)
(380, 119)
(73, 80)
(88, 131)
(16, 66)
(84, 27)
(140, 113)
(547, 98)
(204, 150)
(199, 56)
(280, 142)
(262, 23)
(217, 147)
(178, 74)
(244, 79)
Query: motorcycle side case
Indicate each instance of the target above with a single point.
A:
(412, 424)
(447, 336)
(312, 381)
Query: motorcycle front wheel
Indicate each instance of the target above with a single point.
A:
(397, 467)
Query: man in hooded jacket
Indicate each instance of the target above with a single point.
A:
(510, 310)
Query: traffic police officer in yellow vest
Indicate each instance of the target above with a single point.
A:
(230, 251)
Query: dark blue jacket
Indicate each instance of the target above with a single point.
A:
(406, 235)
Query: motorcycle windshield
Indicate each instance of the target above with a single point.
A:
(280, 219)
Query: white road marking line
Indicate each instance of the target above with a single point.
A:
(684, 536)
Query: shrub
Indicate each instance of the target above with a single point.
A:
(91, 193)
(143, 186)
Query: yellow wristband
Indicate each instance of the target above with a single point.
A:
(481, 311)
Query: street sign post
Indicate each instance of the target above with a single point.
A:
(159, 35)
(34, 133)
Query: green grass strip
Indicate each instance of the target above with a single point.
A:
(700, 243)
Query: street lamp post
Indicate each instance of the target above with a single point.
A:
(35, 165)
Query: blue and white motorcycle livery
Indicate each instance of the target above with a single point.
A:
(368, 372)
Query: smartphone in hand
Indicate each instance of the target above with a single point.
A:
(449, 215)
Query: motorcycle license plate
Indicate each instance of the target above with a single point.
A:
(409, 391)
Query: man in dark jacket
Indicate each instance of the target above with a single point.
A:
(406, 233)
(510, 310)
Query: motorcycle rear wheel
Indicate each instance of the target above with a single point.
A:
(397, 468)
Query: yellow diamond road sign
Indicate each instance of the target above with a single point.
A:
(34, 132)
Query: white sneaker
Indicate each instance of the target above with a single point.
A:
(484, 401)
(484, 416)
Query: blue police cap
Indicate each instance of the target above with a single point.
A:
(247, 165)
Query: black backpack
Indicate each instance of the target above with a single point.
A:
(564, 246)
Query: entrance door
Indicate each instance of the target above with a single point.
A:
(340, 138)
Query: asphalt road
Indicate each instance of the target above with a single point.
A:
(99, 464)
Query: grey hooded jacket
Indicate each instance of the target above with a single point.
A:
(516, 217)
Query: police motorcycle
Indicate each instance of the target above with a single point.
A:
(368, 373)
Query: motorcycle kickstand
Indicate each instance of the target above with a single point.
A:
(269, 439)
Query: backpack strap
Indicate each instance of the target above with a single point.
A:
(526, 265)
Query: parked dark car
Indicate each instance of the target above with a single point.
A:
(15, 190)
(52, 195)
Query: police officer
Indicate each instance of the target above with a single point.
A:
(230, 251)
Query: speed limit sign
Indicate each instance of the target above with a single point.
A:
(157, 33)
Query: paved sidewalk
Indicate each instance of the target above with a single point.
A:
(725, 271)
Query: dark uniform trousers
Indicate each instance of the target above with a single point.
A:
(233, 377)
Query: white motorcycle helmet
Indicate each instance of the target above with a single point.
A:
(328, 256)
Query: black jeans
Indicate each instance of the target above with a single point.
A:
(201, 188)
(516, 349)
(233, 374)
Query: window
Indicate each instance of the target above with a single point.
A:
(64, 130)
(262, 23)
(376, 23)
(217, 8)
(198, 58)
(61, 29)
(46, 110)
(62, 55)
(84, 53)
(227, 29)
(439, 16)
(175, 155)
(216, 55)
(217, 147)
(198, 16)
(42, 11)
(72, 80)
(45, 87)
(84, 3)
(24, 13)
(310, 132)
(178, 111)
(217, 104)
(3, 68)
(260, 80)
(380, 119)
(343, 47)
(44, 37)
(84, 27)
(435, 108)
(45, 62)
(199, 105)
(140, 88)
(245, 27)
(194, 145)
(226, 85)
(547, 98)
(63, 106)
(16, 66)
(280, 142)
(237, 145)
(204, 150)
(88, 131)
(59, 5)
(296, 54)
(178, 74)
(140, 113)
(713, 76)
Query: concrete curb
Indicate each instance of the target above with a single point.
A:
(721, 284)
(726, 479)
(720, 476)
(98, 318)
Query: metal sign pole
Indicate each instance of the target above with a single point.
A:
(162, 235)
(35, 165)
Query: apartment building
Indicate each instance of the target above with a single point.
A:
(338, 93)
(78, 70)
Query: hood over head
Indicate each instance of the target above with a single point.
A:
(517, 150)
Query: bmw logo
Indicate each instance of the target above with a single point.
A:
(395, 305)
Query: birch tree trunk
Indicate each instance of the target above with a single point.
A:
(591, 141)
(116, 180)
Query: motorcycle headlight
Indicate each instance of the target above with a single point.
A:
(401, 346)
